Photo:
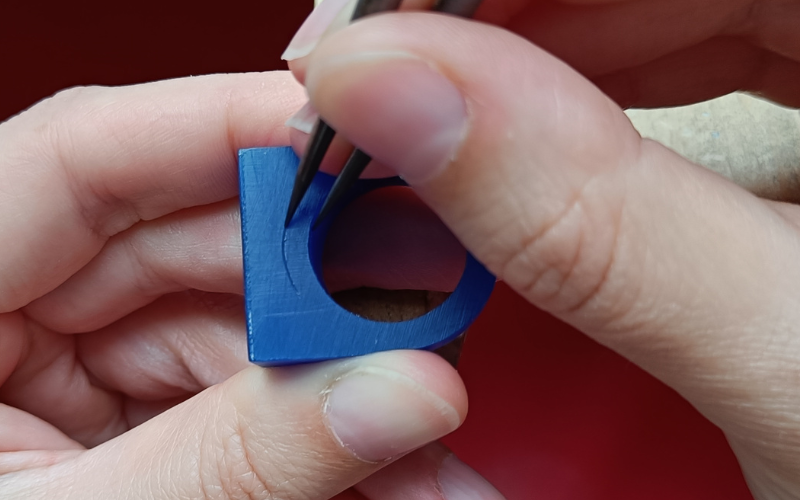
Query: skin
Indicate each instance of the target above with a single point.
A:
(672, 266)
(663, 53)
(119, 285)
(121, 299)
(660, 52)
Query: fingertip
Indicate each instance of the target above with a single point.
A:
(393, 105)
(338, 153)
(298, 68)
(391, 403)
(375, 407)
(415, 476)
(458, 481)
(429, 370)
(434, 373)
(432, 473)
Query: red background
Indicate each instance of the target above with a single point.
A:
(553, 415)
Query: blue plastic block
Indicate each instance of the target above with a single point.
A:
(291, 319)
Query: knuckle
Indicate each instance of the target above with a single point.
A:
(149, 277)
(242, 467)
(232, 473)
(74, 120)
(71, 96)
(567, 262)
(59, 129)
(58, 114)
(43, 128)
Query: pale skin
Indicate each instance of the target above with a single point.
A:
(114, 198)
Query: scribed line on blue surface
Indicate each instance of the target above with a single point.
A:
(286, 264)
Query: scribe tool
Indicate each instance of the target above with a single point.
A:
(322, 135)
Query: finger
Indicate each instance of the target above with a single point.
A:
(387, 239)
(432, 473)
(328, 18)
(544, 179)
(198, 248)
(20, 431)
(302, 124)
(611, 36)
(668, 44)
(90, 162)
(98, 385)
(599, 37)
(17, 461)
(178, 346)
(337, 155)
(12, 343)
(49, 382)
(94, 387)
(296, 433)
(713, 68)
(350, 494)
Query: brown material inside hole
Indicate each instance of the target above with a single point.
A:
(390, 306)
(383, 254)
(395, 306)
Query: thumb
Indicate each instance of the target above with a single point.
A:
(303, 433)
(544, 179)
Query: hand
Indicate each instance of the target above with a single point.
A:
(642, 53)
(543, 178)
(121, 325)
(646, 53)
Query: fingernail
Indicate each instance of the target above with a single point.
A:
(379, 414)
(329, 15)
(304, 120)
(459, 482)
(395, 107)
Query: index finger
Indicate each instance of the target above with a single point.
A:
(91, 162)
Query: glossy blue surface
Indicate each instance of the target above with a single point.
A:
(291, 319)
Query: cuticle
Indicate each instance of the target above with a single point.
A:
(438, 485)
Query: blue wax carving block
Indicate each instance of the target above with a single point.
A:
(291, 319)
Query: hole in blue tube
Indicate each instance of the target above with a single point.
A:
(387, 257)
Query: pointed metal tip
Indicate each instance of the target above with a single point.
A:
(326, 209)
(317, 222)
(293, 204)
(352, 170)
(318, 144)
(327, 206)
